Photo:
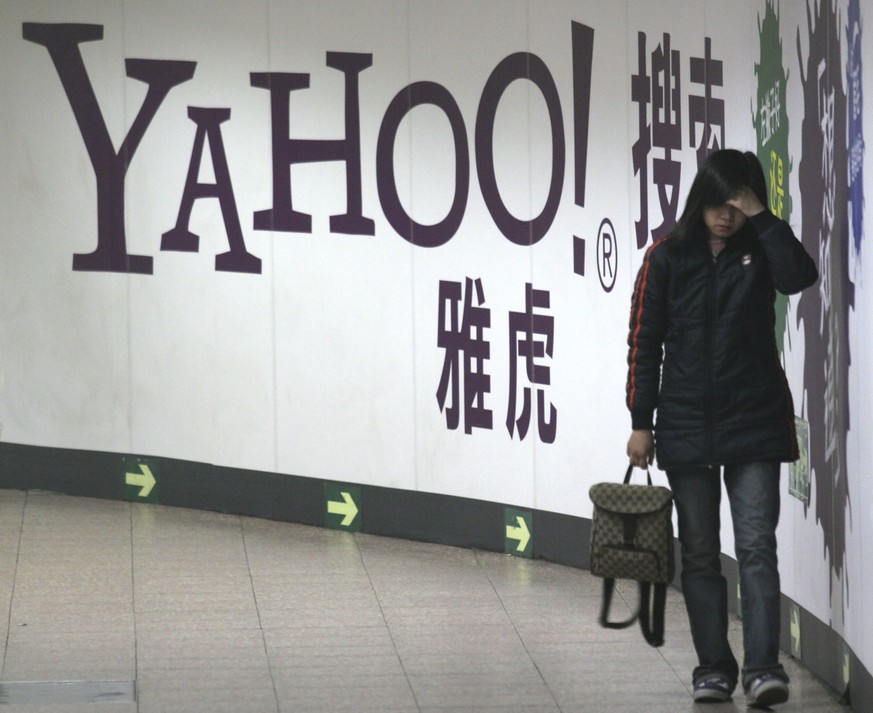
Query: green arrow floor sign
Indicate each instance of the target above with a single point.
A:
(518, 532)
(342, 505)
(847, 667)
(140, 480)
(739, 600)
(796, 644)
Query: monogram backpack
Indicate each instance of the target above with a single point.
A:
(632, 538)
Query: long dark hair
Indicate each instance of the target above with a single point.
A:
(721, 176)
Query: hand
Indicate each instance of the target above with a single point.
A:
(746, 202)
(641, 448)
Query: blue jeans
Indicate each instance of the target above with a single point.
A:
(753, 491)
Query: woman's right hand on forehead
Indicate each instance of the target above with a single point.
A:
(746, 202)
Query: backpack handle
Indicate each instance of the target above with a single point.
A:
(630, 470)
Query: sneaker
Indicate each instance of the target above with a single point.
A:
(712, 688)
(767, 690)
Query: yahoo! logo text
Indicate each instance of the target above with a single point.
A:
(110, 165)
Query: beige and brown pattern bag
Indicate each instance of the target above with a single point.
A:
(632, 538)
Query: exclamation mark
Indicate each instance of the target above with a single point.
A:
(583, 52)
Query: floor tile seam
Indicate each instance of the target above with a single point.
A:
(517, 632)
(12, 592)
(242, 532)
(385, 621)
(676, 673)
(684, 682)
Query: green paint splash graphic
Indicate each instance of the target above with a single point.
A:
(771, 128)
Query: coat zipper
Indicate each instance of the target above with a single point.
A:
(708, 362)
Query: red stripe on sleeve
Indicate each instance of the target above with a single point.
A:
(637, 311)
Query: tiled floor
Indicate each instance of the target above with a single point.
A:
(217, 613)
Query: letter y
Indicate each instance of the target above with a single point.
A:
(110, 167)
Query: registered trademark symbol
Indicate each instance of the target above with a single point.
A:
(607, 255)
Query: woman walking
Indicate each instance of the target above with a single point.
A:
(703, 357)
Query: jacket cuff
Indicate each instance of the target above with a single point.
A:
(642, 419)
(763, 221)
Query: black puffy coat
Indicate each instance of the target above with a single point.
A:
(702, 347)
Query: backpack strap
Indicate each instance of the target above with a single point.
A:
(606, 603)
(653, 603)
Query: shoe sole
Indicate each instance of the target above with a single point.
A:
(770, 694)
(710, 696)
